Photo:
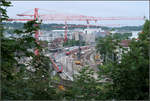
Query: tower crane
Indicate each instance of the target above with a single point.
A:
(36, 17)
(67, 17)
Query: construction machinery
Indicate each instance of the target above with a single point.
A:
(55, 16)
(77, 62)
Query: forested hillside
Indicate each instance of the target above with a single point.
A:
(55, 26)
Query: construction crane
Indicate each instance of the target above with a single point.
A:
(36, 17)
(67, 17)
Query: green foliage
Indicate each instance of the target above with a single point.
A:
(24, 75)
(129, 28)
(54, 26)
(27, 84)
(3, 11)
(106, 47)
(131, 76)
(85, 85)
(123, 36)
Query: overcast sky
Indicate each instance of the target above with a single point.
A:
(90, 8)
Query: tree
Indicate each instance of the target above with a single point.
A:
(131, 76)
(123, 36)
(84, 86)
(107, 48)
(24, 75)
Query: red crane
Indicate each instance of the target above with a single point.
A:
(36, 17)
(68, 17)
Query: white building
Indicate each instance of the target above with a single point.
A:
(135, 34)
(51, 35)
(92, 30)
(90, 35)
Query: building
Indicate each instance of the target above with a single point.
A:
(135, 34)
(51, 35)
(91, 34)
(102, 33)
(90, 38)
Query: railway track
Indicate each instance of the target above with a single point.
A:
(86, 58)
(88, 55)
(89, 62)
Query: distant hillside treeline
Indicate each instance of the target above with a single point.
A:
(54, 26)
(130, 28)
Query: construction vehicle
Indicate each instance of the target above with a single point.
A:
(97, 57)
(77, 62)
(61, 87)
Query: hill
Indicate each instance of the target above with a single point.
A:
(54, 26)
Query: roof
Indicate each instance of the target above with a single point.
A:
(125, 43)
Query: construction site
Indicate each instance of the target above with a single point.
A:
(74, 50)
(67, 61)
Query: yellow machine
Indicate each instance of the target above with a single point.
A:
(97, 57)
(61, 87)
(77, 62)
